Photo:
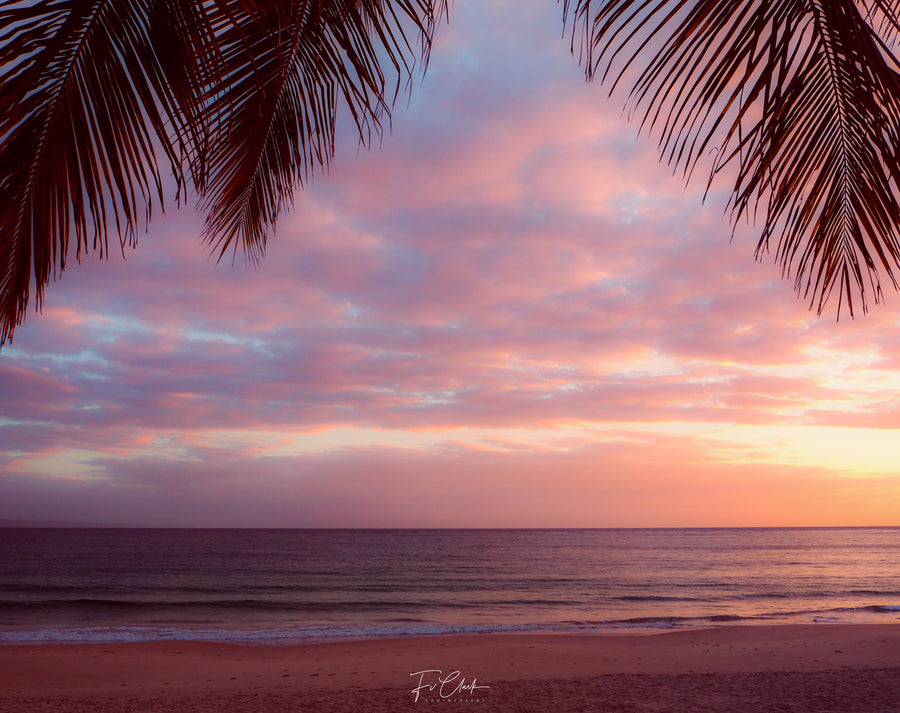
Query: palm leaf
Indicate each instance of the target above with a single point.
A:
(286, 64)
(799, 98)
(84, 97)
(241, 92)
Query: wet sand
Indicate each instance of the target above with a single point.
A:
(803, 669)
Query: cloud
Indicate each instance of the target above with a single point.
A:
(508, 258)
(617, 483)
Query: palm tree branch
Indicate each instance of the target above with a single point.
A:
(92, 90)
(800, 97)
(84, 101)
(286, 64)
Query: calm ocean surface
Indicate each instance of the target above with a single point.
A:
(283, 586)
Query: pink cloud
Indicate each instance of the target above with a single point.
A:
(509, 257)
(598, 485)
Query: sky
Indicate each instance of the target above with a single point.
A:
(506, 314)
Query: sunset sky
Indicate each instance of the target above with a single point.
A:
(507, 315)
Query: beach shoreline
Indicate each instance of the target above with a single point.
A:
(814, 668)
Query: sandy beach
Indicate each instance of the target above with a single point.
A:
(816, 668)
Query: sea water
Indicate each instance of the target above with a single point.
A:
(286, 586)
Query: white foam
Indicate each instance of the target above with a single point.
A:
(128, 634)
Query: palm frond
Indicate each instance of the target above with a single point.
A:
(243, 93)
(286, 65)
(84, 100)
(800, 98)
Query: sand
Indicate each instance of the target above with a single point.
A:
(810, 669)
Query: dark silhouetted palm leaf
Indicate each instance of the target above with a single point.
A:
(800, 97)
(240, 97)
(85, 95)
(284, 68)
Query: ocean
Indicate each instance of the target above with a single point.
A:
(289, 586)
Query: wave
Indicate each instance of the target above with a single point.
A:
(123, 634)
(875, 592)
(412, 626)
(502, 606)
(660, 598)
(248, 605)
(299, 605)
